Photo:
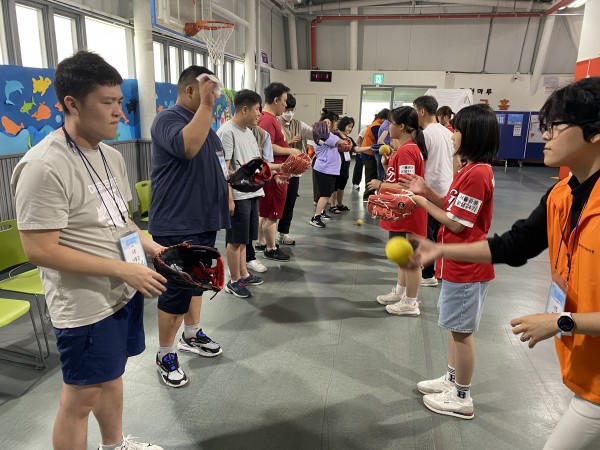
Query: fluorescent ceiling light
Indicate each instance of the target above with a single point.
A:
(577, 3)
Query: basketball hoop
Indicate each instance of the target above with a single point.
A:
(215, 35)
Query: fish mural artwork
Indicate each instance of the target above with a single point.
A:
(125, 119)
(10, 87)
(27, 106)
(58, 106)
(131, 105)
(10, 127)
(41, 85)
(42, 113)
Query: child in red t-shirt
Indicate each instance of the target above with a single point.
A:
(465, 214)
(408, 159)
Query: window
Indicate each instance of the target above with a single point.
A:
(238, 74)
(159, 65)
(200, 59)
(3, 58)
(30, 27)
(108, 40)
(219, 72)
(174, 64)
(66, 36)
(228, 74)
(187, 59)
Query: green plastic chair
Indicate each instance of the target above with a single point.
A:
(12, 255)
(144, 194)
(11, 310)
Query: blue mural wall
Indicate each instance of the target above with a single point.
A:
(29, 109)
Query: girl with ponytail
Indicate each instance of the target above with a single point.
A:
(409, 158)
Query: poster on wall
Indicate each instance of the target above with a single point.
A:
(517, 130)
(535, 135)
(500, 118)
(515, 119)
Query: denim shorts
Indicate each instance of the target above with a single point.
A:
(461, 304)
(97, 353)
(176, 300)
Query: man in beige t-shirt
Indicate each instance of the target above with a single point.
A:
(71, 195)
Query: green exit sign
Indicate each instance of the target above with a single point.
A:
(377, 78)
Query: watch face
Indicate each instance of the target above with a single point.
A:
(566, 324)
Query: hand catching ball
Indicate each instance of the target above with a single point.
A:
(359, 222)
(385, 150)
(399, 250)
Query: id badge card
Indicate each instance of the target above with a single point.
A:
(346, 156)
(221, 155)
(131, 248)
(557, 297)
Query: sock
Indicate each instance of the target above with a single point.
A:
(190, 330)
(112, 446)
(411, 301)
(462, 392)
(244, 276)
(163, 351)
(451, 375)
(400, 290)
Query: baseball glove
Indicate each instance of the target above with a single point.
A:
(345, 144)
(391, 204)
(250, 177)
(192, 267)
(320, 131)
(296, 164)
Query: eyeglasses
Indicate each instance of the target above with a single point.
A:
(549, 126)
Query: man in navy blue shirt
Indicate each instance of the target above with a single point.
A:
(189, 204)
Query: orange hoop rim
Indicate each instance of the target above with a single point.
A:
(214, 25)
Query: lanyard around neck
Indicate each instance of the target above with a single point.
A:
(88, 165)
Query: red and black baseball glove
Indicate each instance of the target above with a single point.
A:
(250, 177)
(192, 267)
(391, 204)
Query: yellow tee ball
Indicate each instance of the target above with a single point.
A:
(359, 222)
(398, 250)
(385, 150)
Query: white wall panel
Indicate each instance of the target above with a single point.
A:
(562, 55)
(529, 46)
(272, 36)
(463, 43)
(303, 40)
(506, 42)
(334, 45)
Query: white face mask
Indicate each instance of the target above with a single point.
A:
(288, 116)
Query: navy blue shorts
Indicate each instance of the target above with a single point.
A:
(176, 300)
(97, 353)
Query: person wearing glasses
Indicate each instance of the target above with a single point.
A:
(567, 223)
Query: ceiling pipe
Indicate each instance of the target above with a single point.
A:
(346, 18)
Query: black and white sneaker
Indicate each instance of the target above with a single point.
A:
(276, 255)
(169, 370)
(325, 216)
(200, 345)
(316, 221)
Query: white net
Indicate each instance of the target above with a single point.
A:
(215, 37)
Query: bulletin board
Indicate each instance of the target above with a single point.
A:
(514, 130)
(535, 143)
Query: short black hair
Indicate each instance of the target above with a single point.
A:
(246, 97)
(578, 104)
(290, 103)
(383, 114)
(480, 134)
(188, 77)
(80, 74)
(407, 116)
(428, 103)
(275, 90)
(344, 122)
(331, 115)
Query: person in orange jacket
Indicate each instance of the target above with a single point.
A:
(567, 223)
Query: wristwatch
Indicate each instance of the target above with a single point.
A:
(566, 324)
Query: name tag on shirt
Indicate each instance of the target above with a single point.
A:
(221, 155)
(346, 156)
(131, 248)
(557, 297)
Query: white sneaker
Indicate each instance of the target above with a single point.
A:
(285, 239)
(448, 404)
(402, 308)
(256, 266)
(128, 444)
(434, 386)
(389, 299)
(429, 282)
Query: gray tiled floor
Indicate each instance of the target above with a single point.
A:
(312, 362)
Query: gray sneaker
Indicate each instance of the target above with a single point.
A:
(238, 289)
(276, 255)
(252, 280)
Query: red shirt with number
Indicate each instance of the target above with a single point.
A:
(408, 159)
(470, 201)
(271, 125)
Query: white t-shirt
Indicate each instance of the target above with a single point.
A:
(53, 191)
(438, 167)
(240, 146)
